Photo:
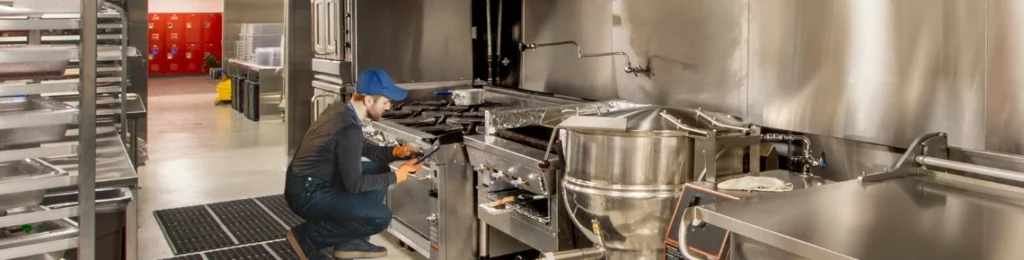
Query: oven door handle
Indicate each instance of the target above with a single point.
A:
(318, 14)
(316, 106)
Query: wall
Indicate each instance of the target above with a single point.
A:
(186, 6)
(415, 40)
(875, 72)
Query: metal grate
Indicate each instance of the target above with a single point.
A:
(192, 229)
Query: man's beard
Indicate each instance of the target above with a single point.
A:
(374, 116)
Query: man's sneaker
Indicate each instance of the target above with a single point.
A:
(359, 248)
(300, 243)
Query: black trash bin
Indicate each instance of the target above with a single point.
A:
(111, 217)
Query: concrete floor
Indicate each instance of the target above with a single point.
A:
(200, 153)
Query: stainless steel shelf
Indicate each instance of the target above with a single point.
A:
(66, 116)
(90, 160)
(56, 38)
(56, 87)
(24, 23)
(60, 233)
(31, 53)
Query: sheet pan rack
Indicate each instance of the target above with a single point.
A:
(68, 66)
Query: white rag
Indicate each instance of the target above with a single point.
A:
(756, 183)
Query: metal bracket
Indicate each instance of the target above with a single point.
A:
(931, 145)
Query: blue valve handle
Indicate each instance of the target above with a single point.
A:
(443, 93)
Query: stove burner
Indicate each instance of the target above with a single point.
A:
(463, 120)
(415, 108)
(439, 129)
(433, 103)
(440, 114)
(473, 114)
(455, 108)
(398, 114)
(415, 121)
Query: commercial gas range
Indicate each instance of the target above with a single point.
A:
(434, 211)
(506, 158)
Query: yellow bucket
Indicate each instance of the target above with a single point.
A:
(223, 91)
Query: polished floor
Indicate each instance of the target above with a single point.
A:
(203, 153)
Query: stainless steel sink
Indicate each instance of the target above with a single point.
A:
(27, 169)
(35, 134)
(12, 237)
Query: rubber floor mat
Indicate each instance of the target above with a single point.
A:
(250, 252)
(187, 257)
(192, 229)
(248, 221)
(277, 205)
(283, 250)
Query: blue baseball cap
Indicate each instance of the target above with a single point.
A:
(378, 82)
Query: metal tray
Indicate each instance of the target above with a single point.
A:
(50, 231)
(27, 169)
(34, 134)
(42, 70)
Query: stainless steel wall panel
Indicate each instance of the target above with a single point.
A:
(696, 49)
(875, 71)
(1005, 96)
(557, 69)
(415, 40)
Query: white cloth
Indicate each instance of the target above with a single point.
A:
(756, 183)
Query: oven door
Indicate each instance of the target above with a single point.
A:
(331, 31)
(413, 204)
(324, 94)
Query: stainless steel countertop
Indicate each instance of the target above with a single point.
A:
(252, 65)
(113, 168)
(907, 218)
(798, 180)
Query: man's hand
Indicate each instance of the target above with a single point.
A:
(407, 168)
(403, 152)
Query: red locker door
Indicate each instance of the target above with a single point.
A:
(156, 58)
(212, 48)
(193, 26)
(212, 28)
(193, 51)
(194, 57)
(173, 27)
(157, 27)
(173, 58)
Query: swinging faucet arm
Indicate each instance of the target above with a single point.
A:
(635, 70)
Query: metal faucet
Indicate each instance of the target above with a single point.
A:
(806, 159)
(635, 70)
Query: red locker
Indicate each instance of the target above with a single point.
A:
(193, 51)
(174, 68)
(157, 27)
(212, 28)
(174, 28)
(194, 67)
(156, 58)
(212, 48)
(174, 58)
(193, 26)
(193, 58)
